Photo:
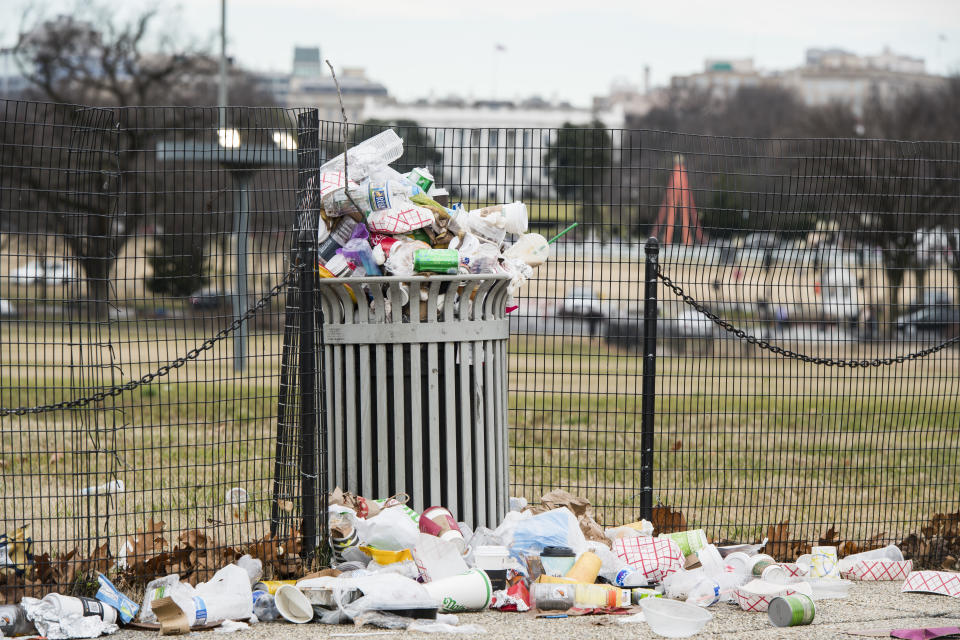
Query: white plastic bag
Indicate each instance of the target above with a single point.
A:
(382, 592)
(391, 529)
(226, 596)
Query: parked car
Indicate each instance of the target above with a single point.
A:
(933, 315)
(7, 310)
(580, 302)
(49, 272)
(210, 298)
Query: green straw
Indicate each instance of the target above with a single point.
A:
(553, 239)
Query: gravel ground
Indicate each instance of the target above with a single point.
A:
(876, 605)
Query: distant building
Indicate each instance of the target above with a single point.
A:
(310, 85)
(829, 75)
(494, 142)
(722, 77)
(834, 75)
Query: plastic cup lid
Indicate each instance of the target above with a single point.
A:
(557, 552)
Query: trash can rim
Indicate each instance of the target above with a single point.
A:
(473, 277)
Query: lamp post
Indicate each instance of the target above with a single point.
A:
(242, 161)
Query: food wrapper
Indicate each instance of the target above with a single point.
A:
(656, 558)
(516, 598)
(945, 583)
(873, 570)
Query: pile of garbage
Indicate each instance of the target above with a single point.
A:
(377, 221)
(394, 568)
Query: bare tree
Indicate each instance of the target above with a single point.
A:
(90, 58)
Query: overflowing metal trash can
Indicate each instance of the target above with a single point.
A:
(415, 390)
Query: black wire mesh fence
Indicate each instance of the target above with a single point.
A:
(133, 238)
(126, 231)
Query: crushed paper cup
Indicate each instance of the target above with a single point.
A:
(872, 570)
(756, 595)
(944, 583)
(656, 558)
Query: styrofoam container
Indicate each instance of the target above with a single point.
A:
(673, 619)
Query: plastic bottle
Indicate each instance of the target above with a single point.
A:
(705, 592)
(264, 606)
(616, 571)
(368, 156)
(552, 597)
(600, 595)
(334, 239)
(14, 622)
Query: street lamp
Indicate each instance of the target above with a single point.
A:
(242, 161)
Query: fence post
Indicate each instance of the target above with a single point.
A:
(308, 163)
(649, 389)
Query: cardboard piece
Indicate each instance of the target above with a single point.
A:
(172, 619)
(944, 583)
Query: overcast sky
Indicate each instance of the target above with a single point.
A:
(569, 49)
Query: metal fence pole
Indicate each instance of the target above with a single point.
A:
(649, 389)
(241, 225)
(308, 159)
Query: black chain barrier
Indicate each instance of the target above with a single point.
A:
(193, 354)
(787, 353)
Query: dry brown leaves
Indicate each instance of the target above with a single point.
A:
(937, 545)
(666, 520)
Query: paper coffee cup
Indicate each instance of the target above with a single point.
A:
(69, 605)
(469, 591)
(293, 605)
(824, 561)
(515, 215)
(437, 521)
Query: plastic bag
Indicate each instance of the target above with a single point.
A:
(554, 528)
(391, 529)
(382, 592)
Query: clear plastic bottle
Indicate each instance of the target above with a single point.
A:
(616, 571)
(368, 156)
(265, 607)
(705, 592)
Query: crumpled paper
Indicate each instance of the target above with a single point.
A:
(49, 624)
(580, 507)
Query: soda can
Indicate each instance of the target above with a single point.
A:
(436, 261)
(760, 567)
(791, 611)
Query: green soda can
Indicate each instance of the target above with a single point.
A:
(791, 611)
(436, 261)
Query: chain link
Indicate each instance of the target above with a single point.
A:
(192, 354)
(787, 353)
